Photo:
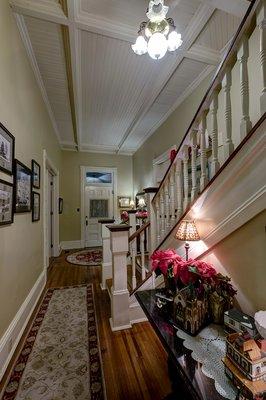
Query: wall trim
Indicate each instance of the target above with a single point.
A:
(72, 245)
(10, 340)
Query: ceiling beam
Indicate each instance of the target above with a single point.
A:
(235, 7)
(203, 54)
(46, 10)
(201, 17)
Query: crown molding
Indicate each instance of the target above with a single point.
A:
(27, 44)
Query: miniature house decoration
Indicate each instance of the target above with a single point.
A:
(190, 314)
(237, 321)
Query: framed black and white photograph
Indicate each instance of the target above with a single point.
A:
(7, 148)
(124, 201)
(23, 182)
(36, 174)
(6, 203)
(35, 206)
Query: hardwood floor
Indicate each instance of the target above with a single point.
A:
(134, 361)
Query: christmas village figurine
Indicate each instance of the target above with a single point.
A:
(188, 289)
(190, 313)
(245, 361)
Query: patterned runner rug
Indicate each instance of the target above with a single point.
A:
(61, 357)
(86, 257)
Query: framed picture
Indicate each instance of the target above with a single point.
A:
(124, 201)
(23, 183)
(60, 205)
(36, 199)
(36, 174)
(7, 150)
(6, 203)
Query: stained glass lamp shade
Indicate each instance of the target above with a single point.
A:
(187, 232)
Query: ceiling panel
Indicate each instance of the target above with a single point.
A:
(187, 73)
(116, 84)
(219, 30)
(47, 43)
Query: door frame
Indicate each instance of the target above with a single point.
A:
(83, 170)
(48, 166)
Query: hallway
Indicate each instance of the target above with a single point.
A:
(134, 362)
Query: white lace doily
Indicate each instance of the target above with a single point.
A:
(208, 348)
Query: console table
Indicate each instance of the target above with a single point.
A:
(187, 378)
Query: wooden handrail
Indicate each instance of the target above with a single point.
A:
(138, 232)
(230, 54)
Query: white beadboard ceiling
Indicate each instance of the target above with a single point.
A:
(100, 96)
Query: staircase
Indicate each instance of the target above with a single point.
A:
(217, 176)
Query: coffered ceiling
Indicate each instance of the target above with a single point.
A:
(100, 96)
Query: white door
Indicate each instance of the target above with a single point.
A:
(49, 214)
(99, 203)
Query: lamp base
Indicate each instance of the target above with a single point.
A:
(187, 249)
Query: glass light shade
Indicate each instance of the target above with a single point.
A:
(132, 204)
(140, 47)
(157, 46)
(187, 231)
(174, 41)
(142, 202)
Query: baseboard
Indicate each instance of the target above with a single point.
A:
(71, 245)
(12, 336)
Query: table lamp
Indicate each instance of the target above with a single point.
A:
(187, 231)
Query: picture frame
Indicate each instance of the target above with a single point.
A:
(23, 187)
(124, 201)
(36, 207)
(7, 150)
(36, 174)
(6, 203)
(60, 205)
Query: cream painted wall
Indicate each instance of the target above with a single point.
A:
(70, 185)
(242, 256)
(23, 112)
(169, 133)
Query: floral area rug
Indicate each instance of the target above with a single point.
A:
(61, 356)
(86, 257)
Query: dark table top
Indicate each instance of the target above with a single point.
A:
(200, 387)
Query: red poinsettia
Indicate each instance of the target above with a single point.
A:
(124, 217)
(142, 214)
(163, 259)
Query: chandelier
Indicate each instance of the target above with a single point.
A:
(157, 35)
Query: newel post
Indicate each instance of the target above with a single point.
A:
(152, 213)
(106, 265)
(120, 318)
(132, 221)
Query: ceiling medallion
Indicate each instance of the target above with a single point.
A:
(157, 35)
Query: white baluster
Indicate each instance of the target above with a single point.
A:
(214, 134)
(158, 219)
(242, 56)
(162, 212)
(179, 183)
(172, 194)
(132, 221)
(228, 146)
(167, 204)
(261, 22)
(203, 159)
(142, 254)
(133, 261)
(152, 215)
(185, 174)
(194, 142)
